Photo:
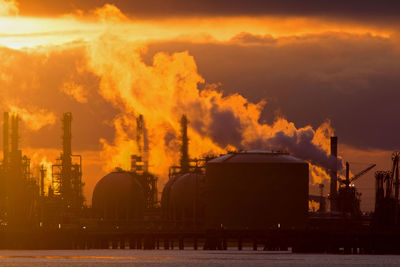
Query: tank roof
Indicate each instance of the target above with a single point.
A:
(117, 185)
(257, 156)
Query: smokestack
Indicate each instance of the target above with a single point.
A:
(347, 174)
(333, 172)
(67, 135)
(66, 180)
(139, 134)
(185, 145)
(6, 131)
(14, 134)
(42, 176)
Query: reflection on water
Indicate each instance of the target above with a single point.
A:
(84, 257)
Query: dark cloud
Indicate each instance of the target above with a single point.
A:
(300, 145)
(248, 39)
(350, 79)
(149, 8)
(225, 127)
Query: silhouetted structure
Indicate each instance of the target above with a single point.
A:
(333, 175)
(118, 198)
(322, 202)
(19, 192)
(124, 197)
(140, 166)
(67, 175)
(254, 197)
(387, 196)
(183, 196)
(185, 145)
(256, 190)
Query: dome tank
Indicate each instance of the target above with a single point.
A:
(118, 196)
(183, 198)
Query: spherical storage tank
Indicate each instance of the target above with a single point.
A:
(118, 196)
(256, 190)
(182, 199)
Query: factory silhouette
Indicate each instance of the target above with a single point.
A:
(250, 198)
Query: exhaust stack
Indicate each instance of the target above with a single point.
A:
(6, 138)
(14, 134)
(185, 145)
(333, 174)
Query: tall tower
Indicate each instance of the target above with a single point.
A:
(15, 180)
(67, 174)
(139, 134)
(6, 137)
(333, 174)
(185, 145)
(14, 134)
(140, 165)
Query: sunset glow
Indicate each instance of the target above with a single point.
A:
(104, 61)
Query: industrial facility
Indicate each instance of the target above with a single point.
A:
(242, 198)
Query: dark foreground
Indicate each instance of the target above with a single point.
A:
(345, 241)
(246, 257)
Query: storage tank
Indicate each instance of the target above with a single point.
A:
(183, 199)
(256, 190)
(118, 196)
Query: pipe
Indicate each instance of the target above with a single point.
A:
(333, 174)
(185, 145)
(6, 144)
(14, 134)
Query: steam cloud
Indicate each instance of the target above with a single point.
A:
(162, 91)
(168, 88)
(34, 118)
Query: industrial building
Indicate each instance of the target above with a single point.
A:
(257, 190)
(252, 196)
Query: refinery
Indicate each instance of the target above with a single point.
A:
(253, 198)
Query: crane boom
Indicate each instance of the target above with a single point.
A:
(361, 173)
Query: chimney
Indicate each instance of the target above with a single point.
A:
(14, 134)
(42, 177)
(6, 145)
(67, 136)
(185, 145)
(333, 173)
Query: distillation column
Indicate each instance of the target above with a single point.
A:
(333, 174)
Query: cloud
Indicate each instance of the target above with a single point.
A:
(249, 39)
(75, 90)
(109, 80)
(34, 78)
(8, 8)
(109, 13)
(351, 79)
(34, 118)
(157, 8)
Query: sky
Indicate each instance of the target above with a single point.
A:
(279, 75)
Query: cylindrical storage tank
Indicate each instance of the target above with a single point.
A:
(118, 196)
(183, 199)
(256, 190)
(165, 198)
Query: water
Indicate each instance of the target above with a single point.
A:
(186, 258)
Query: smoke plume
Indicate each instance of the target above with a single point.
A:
(35, 118)
(169, 87)
(162, 90)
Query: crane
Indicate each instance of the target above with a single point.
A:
(351, 180)
(348, 199)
